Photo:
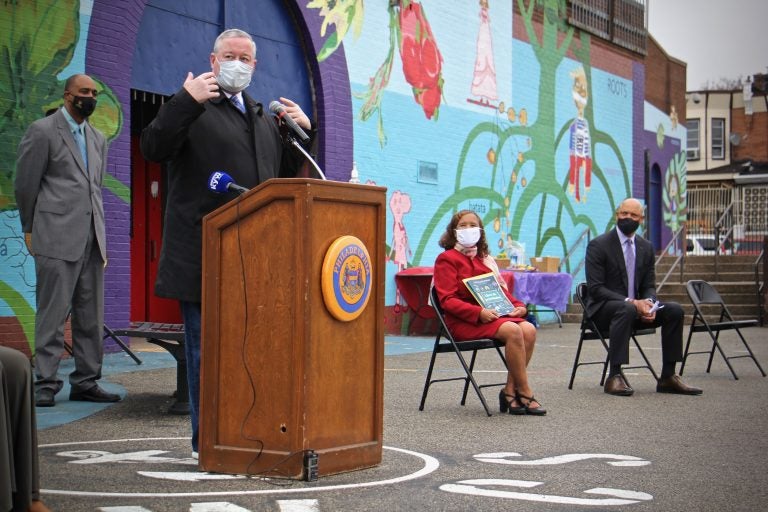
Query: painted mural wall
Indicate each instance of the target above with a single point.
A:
(530, 123)
(538, 132)
(43, 43)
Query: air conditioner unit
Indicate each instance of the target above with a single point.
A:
(692, 154)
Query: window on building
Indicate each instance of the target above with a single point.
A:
(718, 139)
(624, 22)
(427, 172)
(693, 139)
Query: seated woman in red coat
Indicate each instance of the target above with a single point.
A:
(466, 255)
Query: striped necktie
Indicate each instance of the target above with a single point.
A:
(235, 99)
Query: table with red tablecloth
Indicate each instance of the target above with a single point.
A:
(548, 289)
(413, 284)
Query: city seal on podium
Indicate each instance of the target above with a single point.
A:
(346, 278)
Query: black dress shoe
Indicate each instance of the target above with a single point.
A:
(95, 394)
(674, 384)
(44, 398)
(618, 386)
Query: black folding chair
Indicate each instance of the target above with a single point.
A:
(589, 331)
(444, 342)
(702, 293)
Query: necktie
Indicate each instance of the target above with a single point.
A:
(235, 99)
(629, 261)
(80, 139)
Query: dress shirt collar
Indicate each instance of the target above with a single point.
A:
(238, 94)
(72, 123)
(623, 238)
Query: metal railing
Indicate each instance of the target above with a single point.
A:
(723, 223)
(567, 258)
(678, 242)
(566, 261)
(760, 287)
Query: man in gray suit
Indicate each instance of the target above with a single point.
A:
(59, 170)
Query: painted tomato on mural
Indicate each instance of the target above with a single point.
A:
(421, 58)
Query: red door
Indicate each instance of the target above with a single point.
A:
(147, 200)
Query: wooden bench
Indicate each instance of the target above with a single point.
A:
(171, 338)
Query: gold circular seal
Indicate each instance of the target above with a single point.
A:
(346, 278)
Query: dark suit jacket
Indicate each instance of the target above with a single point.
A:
(57, 197)
(195, 140)
(607, 274)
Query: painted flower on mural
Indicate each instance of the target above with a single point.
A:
(673, 194)
(411, 34)
(421, 58)
(342, 14)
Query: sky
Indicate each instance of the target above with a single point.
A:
(716, 38)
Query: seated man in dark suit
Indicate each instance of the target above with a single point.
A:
(622, 289)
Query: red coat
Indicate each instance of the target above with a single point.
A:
(462, 312)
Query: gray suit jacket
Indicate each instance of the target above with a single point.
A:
(58, 199)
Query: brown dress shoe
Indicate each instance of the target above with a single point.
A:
(38, 506)
(618, 386)
(674, 384)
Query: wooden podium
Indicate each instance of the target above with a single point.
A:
(280, 375)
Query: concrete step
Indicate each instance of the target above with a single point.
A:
(740, 311)
(734, 280)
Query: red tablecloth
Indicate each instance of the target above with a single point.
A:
(413, 284)
(547, 289)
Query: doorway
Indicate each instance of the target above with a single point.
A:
(147, 214)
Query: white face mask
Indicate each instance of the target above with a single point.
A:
(468, 237)
(234, 76)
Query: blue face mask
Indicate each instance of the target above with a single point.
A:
(234, 76)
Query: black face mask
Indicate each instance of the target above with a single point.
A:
(84, 105)
(627, 225)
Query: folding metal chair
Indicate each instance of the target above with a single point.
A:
(589, 331)
(109, 333)
(702, 293)
(444, 342)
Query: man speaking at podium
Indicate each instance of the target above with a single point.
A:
(210, 125)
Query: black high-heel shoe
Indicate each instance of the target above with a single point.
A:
(506, 405)
(527, 409)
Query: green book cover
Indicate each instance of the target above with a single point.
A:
(488, 293)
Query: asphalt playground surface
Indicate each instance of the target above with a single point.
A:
(591, 452)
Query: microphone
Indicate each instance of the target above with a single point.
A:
(221, 182)
(277, 108)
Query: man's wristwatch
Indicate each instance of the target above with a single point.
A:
(627, 300)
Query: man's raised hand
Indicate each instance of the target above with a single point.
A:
(202, 87)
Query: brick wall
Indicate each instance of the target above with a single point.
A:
(754, 133)
(665, 81)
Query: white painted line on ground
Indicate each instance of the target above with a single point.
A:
(502, 458)
(476, 488)
(430, 465)
(298, 505)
